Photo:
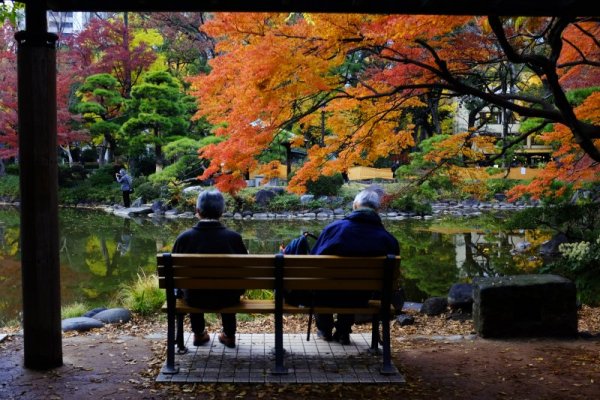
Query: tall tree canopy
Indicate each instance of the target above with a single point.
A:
(357, 73)
(108, 46)
(101, 106)
(159, 110)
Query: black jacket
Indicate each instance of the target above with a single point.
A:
(210, 237)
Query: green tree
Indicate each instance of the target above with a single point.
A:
(101, 106)
(184, 163)
(159, 111)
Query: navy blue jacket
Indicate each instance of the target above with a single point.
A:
(361, 233)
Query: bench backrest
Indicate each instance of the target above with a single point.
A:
(249, 271)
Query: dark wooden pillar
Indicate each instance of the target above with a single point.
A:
(40, 263)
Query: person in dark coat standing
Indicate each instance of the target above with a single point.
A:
(211, 236)
(361, 233)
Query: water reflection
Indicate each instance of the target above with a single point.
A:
(100, 252)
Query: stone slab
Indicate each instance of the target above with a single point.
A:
(524, 305)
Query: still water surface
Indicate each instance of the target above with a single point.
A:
(99, 252)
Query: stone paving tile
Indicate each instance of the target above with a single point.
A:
(253, 358)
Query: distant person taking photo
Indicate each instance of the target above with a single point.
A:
(126, 186)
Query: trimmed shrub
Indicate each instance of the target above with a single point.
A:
(325, 185)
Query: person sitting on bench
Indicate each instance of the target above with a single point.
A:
(361, 233)
(210, 236)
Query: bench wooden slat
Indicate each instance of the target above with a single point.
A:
(243, 260)
(268, 272)
(219, 260)
(296, 284)
(220, 272)
(194, 283)
(321, 261)
(247, 306)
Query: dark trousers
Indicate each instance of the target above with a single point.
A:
(343, 324)
(339, 298)
(213, 299)
(199, 325)
(126, 200)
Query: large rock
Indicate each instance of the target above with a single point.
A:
(93, 312)
(550, 248)
(133, 211)
(524, 305)
(264, 197)
(434, 306)
(460, 296)
(80, 324)
(114, 315)
(158, 207)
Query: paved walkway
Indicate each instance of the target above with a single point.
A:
(315, 361)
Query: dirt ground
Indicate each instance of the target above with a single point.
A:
(440, 359)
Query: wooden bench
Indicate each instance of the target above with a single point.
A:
(279, 273)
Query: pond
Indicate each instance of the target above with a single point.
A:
(100, 252)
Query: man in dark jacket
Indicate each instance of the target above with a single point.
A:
(210, 236)
(361, 233)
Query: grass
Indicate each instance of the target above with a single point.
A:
(73, 310)
(259, 294)
(143, 296)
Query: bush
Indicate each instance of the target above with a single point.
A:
(12, 169)
(9, 188)
(409, 204)
(325, 185)
(69, 176)
(242, 201)
(185, 168)
(499, 185)
(87, 192)
(148, 191)
(143, 296)
(285, 202)
(579, 262)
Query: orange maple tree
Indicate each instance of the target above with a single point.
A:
(343, 84)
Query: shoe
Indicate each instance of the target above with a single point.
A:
(199, 340)
(226, 340)
(342, 338)
(324, 336)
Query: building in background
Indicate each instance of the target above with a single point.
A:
(67, 23)
(504, 126)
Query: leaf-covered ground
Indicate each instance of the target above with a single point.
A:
(122, 362)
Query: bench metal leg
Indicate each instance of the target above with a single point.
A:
(181, 349)
(375, 333)
(280, 368)
(170, 368)
(387, 368)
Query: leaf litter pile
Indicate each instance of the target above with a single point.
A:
(440, 357)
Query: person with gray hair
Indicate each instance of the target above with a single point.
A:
(360, 233)
(210, 236)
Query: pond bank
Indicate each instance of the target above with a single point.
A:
(467, 208)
